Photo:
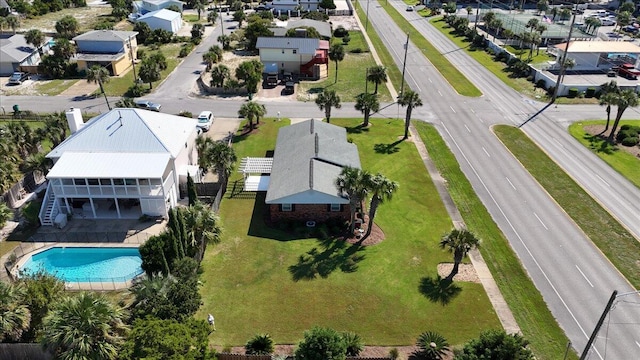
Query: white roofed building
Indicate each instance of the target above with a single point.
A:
(120, 165)
(598, 55)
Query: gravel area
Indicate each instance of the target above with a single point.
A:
(466, 272)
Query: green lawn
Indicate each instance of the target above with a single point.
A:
(118, 86)
(356, 44)
(538, 325)
(7, 246)
(351, 79)
(617, 244)
(457, 80)
(55, 87)
(248, 280)
(623, 162)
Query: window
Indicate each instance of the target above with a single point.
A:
(79, 182)
(287, 207)
(335, 207)
(105, 181)
(92, 181)
(118, 182)
(130, 181)
(295, 51)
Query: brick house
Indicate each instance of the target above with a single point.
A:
(308, 158)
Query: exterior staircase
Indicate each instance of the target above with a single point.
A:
(49, 210)
(318, 58)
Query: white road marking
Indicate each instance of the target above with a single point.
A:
(430, 80)
(603, 180)
(637, 343)
(473, 111)
(469, 130)
(510, 183)
(439, 93)
(555, 290)
(452, 109)
(543, 225)
(585, 277)
(558, 141)
(486, 152)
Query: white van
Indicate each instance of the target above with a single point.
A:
(205, 119)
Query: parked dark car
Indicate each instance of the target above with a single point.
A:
(148, 105)
(17, 78)
(289, 88)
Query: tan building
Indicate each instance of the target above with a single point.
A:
(114, 50)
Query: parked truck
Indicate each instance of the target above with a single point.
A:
(272, 79)
(628, 71)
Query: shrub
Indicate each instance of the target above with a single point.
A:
(353, 342)
(498, 345)
(261, 344)
(346, 39)
(630, 141)
(356, 51)
(394, 354)
(186, 49)
(591, 92)
(573, 92)
(135, 90)
(340, 31)
(541, 84)
(283, 17)
(185, 113)
(141, 54)
(321, 344)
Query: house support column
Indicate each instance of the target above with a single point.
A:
(117, 207)
(66, 202)
(93, 209)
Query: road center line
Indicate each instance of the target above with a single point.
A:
(473, 111)
(430, 80)
(603, 180)
(637, 343)
(466, 127)
(486, 152)
(543, 225)
(510, 183)
(558, 141)
(439, 93)
(585, 277)
(452, 109)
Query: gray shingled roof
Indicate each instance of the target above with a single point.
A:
(105, 35)
(303, 45)
(308, 158)
(15, 48)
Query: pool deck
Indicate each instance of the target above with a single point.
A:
(86, 233)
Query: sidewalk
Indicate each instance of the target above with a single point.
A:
(490, 287)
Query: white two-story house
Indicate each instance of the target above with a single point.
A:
(120, 165)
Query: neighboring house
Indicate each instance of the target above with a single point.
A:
(146, 6)
(285, 5)
(120, 165)
(303, 56)
(598, 55)
(17, 55)
(308, 158)
(324, 28)
(162, 19)
(114, 50)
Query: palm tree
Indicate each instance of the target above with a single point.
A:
(432, 345)
(126, 102)
(367, 103)
(38, 162)
(35, 37)
(261, 344)
(458, 242)
(565, 13)
(67, 26)
(6, 214)
(86, 326)
(100, 75)
(24, 138)
(13, 22)
(145, 290)
(14, 313)
(326, 100)
(353, 182)
(199, 6)
(535, 40)
(216, 154)
(608, 95)
(410, 99)
(252, 110)
(219, 74)
(377, 75)
(381, 190)
(225, 40)
(203, 227)
(210, 57)
(488, 17)
(212, 16)
(336, 54)
(496, 25)
(623, 100)
(55, 129)
(532, 24)
(149, 72)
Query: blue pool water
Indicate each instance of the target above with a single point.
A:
(74, 264)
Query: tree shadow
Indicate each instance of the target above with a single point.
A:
(599, 144)
(439, 290)
(331, 255)
(359, 129)
(387, 148)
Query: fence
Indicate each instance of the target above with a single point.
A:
(24, 351)
(227, 356)
(28, 184)
(91, 237)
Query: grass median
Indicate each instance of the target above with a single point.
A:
(538, 325)
(617, 244)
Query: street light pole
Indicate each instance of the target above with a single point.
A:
(475, 23)
(404, 63)
(598, 325)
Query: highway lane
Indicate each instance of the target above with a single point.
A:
(573, 276)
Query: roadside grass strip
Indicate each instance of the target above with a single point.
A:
(547, 340)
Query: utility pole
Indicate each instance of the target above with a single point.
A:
(366, 25)
(404, 63)
(475, 24)
(133, 63)
(563, 60)
(599, 325)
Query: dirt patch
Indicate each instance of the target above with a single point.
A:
(347, 22)
(597, 130)
(87, 17)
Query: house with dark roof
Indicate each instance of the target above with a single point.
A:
(303, 56)
(17, 55)
(114, 50)
(120, 165)
(308, 158)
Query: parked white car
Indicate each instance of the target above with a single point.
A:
(607, 22)
(205, 119)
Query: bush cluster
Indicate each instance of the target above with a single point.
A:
(628, 135)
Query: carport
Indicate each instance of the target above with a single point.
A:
(256, 173)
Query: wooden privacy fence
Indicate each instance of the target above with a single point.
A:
(26, 185)
(23, 351)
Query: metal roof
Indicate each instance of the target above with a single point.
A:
(15, 48)
(99, 57)
(130, 131)
(252, 165)
(109, 165)
(303, 45)
(163, 14)
(308, 158)
(600, 47)
(105, 35)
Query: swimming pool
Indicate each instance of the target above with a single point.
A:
(87, 264)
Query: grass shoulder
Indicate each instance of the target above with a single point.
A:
(618, 245)
(281, 281)
(622, 161)
(525, 301)
(457, 80)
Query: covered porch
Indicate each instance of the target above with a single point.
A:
(256, 173)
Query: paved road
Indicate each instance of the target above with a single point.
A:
(573, 276)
